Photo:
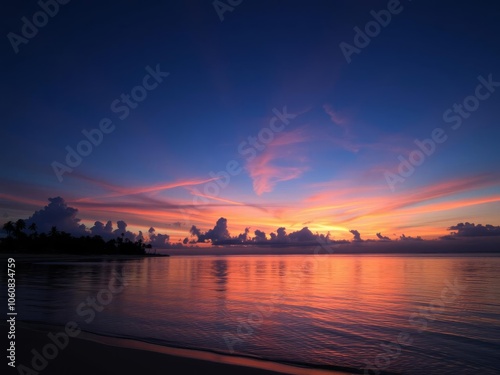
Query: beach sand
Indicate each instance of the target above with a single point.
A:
(94, 354)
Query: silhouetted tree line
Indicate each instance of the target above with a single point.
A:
(59, 242)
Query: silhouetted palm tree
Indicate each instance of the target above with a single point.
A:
(20, 224)
(9, 227)
(19, 227)
(53, 231)
(33, 228)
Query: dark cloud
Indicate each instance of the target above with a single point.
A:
(123, 232)
(383, 238)
(105, 231)
(158, 239)
(303, 235)
(410, 238)
(357, 235)
(472, 230)
(281, 234)
(195, 231)
(260, 236)
(243, 237)
(218, 234)
(58, 214)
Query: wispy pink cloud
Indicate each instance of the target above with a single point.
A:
(22, 200)
(364, 205)
(280, 161)
(335, 116)
(119, 191)
(348, 138)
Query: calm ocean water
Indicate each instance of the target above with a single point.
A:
(407, 314)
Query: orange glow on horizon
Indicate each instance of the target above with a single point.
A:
(335, 207)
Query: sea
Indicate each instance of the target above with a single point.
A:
(408, 314)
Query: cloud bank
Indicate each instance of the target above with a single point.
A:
(58, 214)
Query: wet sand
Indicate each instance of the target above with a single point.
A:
(94, 354)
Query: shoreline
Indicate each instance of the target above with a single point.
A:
(97, 354)
(37, 257)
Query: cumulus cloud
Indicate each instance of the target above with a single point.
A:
(58, 214)
(260, 236)
(158, 239)
(410, 238)
(303, 235)
(195, 231)
(219, 233)
(243, 237)
(383, 238)
(123, 232)
(472, 230)
(281, 234)
(105, 231)
(357, 235)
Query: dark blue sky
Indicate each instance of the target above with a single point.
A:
(335, 165)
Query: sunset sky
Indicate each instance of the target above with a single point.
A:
(275, 71)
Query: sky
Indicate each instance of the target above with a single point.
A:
(339, 116)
